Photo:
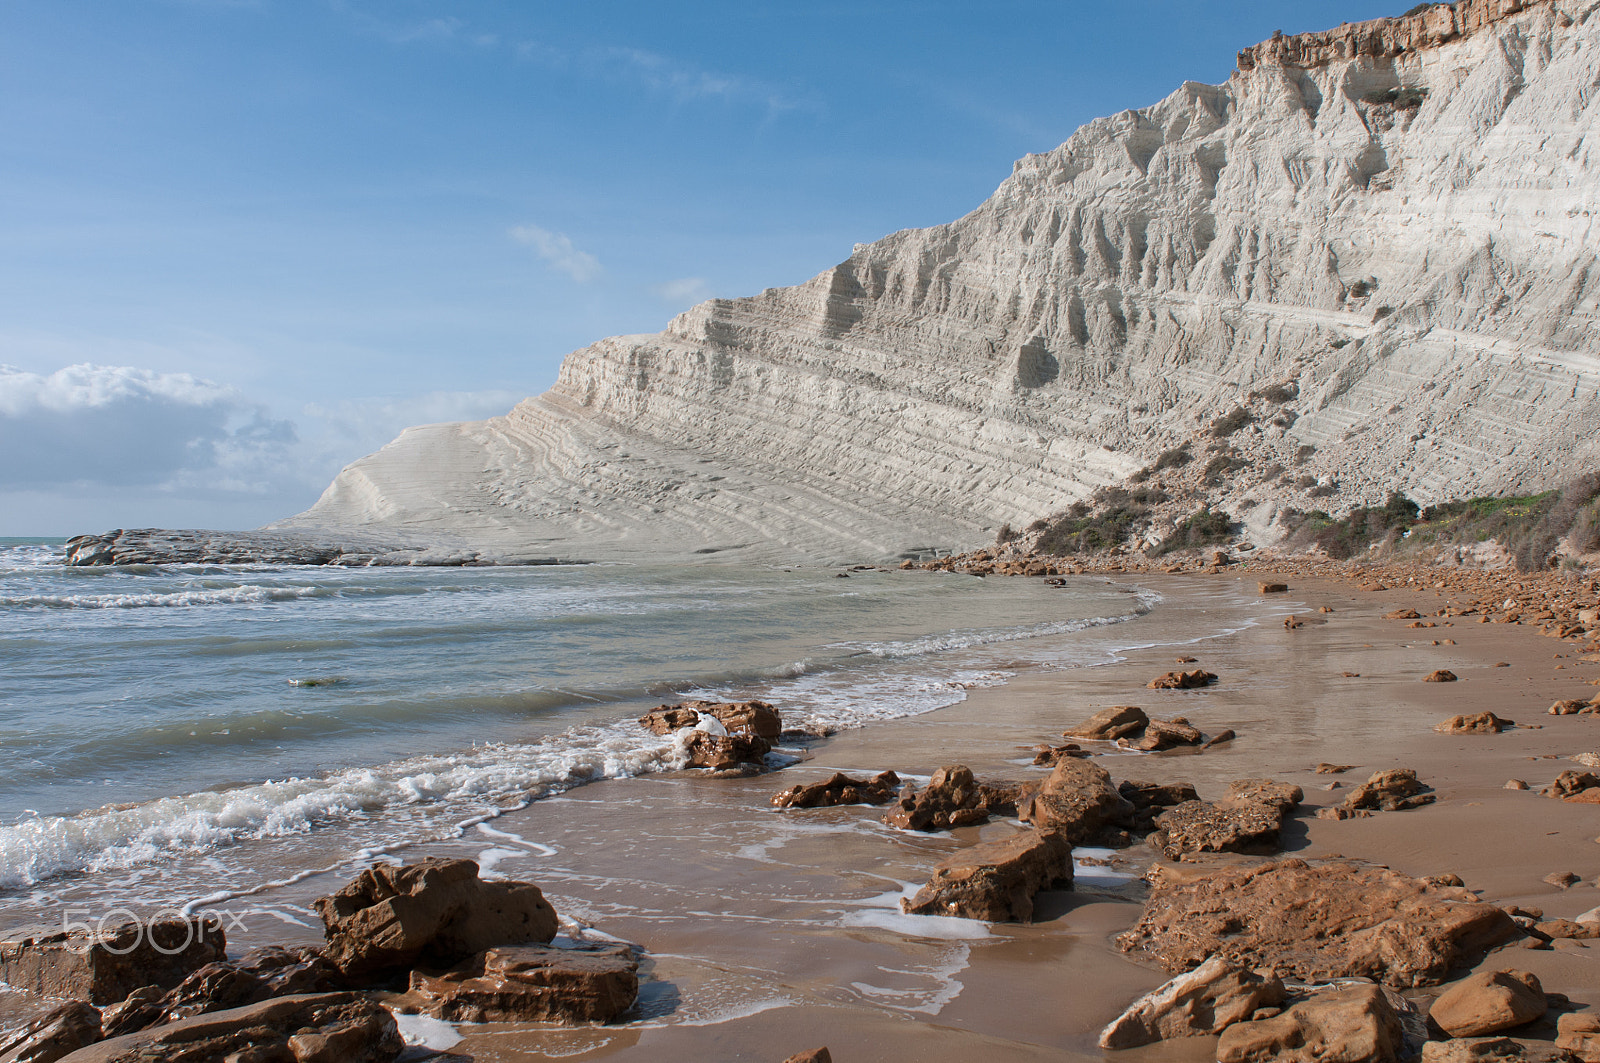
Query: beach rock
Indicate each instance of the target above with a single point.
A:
(756, 718)
(665, 719)
(723, 752)
(996, 881)
(1579, 1033)
(1165, 734)
(1392, 790)
(1515, 784)
(1142, 795)
(1562, 879)
(1249, 819)
(1293, 622)
(1488, 1002)
(1336, 919)
(1477, 723)
(1333, 769)
(214, 987)
(1568, 707)
(1354, 1025)
(435, 913)
(1206, 1000)
(103, 967)
(306, 1028)
(952, 798)
(816, 1055)
(1048, 755)
(1582, 787)
(1567, 928)
(1199, 677)
(290, 971)
(840, 789)
(1442, 675)
(1272, 588)
(1078, 800)
(1494, 1050)
(1402, 614)
(53, 1035)
(531, 984)
(1220, 738)
(1119, 721)
(139, 1010)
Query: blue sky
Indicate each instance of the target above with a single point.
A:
(243, 242)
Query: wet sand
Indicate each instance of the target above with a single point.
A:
(770, 932)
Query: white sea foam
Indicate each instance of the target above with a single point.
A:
(246, 594)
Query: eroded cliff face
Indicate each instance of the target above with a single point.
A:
(1397, 217)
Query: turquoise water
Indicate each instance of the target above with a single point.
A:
(163, 715)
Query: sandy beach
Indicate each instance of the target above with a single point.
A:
(770, 932)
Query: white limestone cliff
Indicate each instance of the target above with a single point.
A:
(1399, 217)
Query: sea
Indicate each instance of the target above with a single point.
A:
(172, 735)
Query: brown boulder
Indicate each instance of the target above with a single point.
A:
(1571, 785)
(1477, 723)
(104, 967)
(1183, 680)
(1206, 1000)
(1441, 675)
(1249, 819)
(53, 1035)
(816, 1055)
(723, 752)
(435, 913)
(1488, 1002)
(316, 1028)
(1566, 928)
(1579, 1033)
(1402, 614)
(531, 984)
(952, 798)
(756, 718)
(1354, 1025)
(996, 881)
(1048, 755)
(840, 789)
(1272, 588)
(1078, 800)
(1142, 795)
(1336, 919)
(1165, 734)
(1107, 725)
(1393, 790)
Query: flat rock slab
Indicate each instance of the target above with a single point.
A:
(1355, 1025)
(840, 789)
(533, 984)
(315, 1028)
(996, 881)
(1206, 1000)
(1316, 922)
(103, 967)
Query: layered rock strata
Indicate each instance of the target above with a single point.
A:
(1377, 242)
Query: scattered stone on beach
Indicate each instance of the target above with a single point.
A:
(1191, 680)
(1579, 1032)
(1350, 675)
(1392, 790)
(1333, 769)
(1567, 928)
(1206, 1000)
(51, 1036)
(1272, 588)
(1575, 707)
(1248, 819)
(1078, 800)
(1316, 922)
(314, 1028)
(1442, 675)
(1292, 622)
(1488, 1002)
(816, 1055)
(1047, 755)
(1588, 760)
(952, 798)
(104, 966)
(536, 983)
(840, 789)
(436, 914)
(1403, 614)
(1476, 723)
(1220, 738)
(1142, 795)
(1185, 660)
(1580, 787)
(1166, 734)
(1516, 784)
(1324, 608)
(1562, 879)
(271, 971)
(1358, 1024)
(1119, 721)
(720, 736)
(996, 881)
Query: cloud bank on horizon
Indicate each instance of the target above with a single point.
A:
(248, 241)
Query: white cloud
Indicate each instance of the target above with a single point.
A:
(685, 291)
(559, 250)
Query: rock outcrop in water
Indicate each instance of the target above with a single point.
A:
(1371, 254)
